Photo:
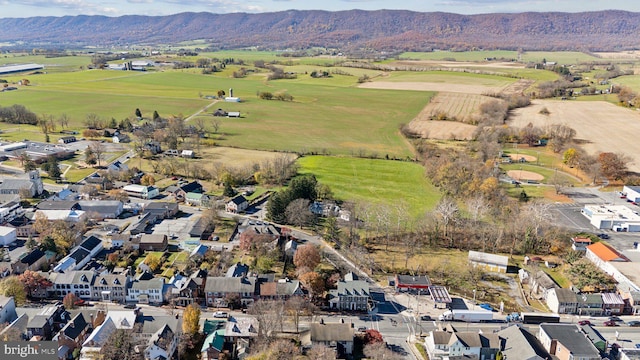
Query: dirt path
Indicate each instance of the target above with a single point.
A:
(201, 111)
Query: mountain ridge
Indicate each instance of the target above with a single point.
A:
(391, 30)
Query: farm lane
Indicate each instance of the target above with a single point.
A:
(201, 110)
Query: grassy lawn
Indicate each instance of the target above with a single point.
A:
(374, 181)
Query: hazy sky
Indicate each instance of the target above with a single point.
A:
(28, 8)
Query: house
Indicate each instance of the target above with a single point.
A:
(66, 139)
(562, 301)
(120, 138)
(490, 262)
(540, 284)
(8, 235)
(47, 322)
(80, 255)
(162, 209)
(73, 335)
(590, 304)
(153, 147)
(566, 342)
(141, 191)
(484, 346)
(239, 332)
(334, 335)
(7, 309)
(519, 343)
(280, 290)
(31, 183)
(632, 302)
(237, 205)
(144, 222)
(162, 344)
(613, 304)
(202, 229)
(237, 270)
(110, 287)
(198, 199)
(595, 337)
(100, 182)
(146, 289)
(10, 210)
(290, 248)
(179, 192)
(33, 260)
(213, 345)
(417, 283)
(580, 243)
(117, 166)
(119, 240)
(184, 290)
(218, 290)
(219, 112)
(154, 242)
(76, 282)
(351, 294)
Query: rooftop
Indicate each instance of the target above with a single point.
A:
(488, 258)
(605, 252)
(569, 336)
(331, 332)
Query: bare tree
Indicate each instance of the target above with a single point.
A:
(380, 351)
(447, 210)
(98, 150)
(298, 213)
(321, 352)
(215, 124)
(269, 316)
(63, 120)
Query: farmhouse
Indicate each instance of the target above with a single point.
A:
(490, 262)
(237, 204)
(614, 217)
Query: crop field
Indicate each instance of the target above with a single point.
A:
(562, 57)
(604, 126)
(374, 181)
(459, 82)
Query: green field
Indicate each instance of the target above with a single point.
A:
(562, 57)
(374, 181)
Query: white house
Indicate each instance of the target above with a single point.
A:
(65, 215)
(141, 191)
(7, 235)
(146, 289)
(562, 301)
(237, 204)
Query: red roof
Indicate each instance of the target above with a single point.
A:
(606, 253)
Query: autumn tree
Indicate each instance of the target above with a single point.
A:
(153, 262)
(11, 286)
(69, 301)
(614, 166)
(33, 281)
(372, 336)
(529, 134)
(191, 319)
(307, 256)
(627, 96)
(313, 282)
(147, 179)
(570, 157)
(321, 352)
(118, 194)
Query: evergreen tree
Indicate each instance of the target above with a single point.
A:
(51, 167)
(138, 113)
(277, 206)
(228, 190)
(156, 116)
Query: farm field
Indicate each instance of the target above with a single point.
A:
(460, 106)
(458, 82)
(604, 126)
(563, 57)
(374, 181)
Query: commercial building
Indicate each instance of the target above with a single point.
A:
(612, 217)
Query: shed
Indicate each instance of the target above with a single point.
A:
(491, 262)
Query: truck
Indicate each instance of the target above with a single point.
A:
(466, 316)
(539, 318)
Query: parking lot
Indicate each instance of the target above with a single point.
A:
(569, 216)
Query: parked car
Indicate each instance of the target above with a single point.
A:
(130, 306)
(425, 318)
(615, 318)
(362, 328)
(584, 322)
(220, 314)
(634, 323)
(610, 323)
(603, 236)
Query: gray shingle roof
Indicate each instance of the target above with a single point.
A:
(230, 284)
(570, 337)
(518, 343)
(331, 332)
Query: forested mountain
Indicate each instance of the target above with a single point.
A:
(355, 29)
